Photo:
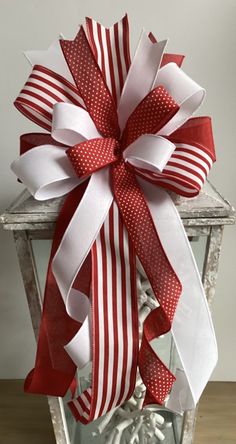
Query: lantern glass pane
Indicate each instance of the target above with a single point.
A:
(166, 350)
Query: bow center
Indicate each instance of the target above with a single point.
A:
(94, 154)
(118, 151)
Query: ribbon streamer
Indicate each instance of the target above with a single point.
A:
(118, 138)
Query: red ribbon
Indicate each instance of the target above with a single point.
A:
(155, 110)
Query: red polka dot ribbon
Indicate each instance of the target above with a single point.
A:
(88, 157)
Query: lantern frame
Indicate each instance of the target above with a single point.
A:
(29, 220)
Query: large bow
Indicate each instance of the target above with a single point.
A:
(112, 159)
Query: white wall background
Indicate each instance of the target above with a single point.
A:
(204, 30)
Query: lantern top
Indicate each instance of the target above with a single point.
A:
(208, 208)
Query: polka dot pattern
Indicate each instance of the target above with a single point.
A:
(91, 155)
(152, 113)
(157, 378)
(141, 229)
(164, 282)
(91, 84)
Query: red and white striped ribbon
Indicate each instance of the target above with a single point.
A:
(111, 50)
(42, 90)
(185, 172)
(115, 322)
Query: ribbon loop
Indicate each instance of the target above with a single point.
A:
(149, 152)
(197, 131)
(187, 93)
(43, 182)
(43, 89)
(151, 114)
(72, 124)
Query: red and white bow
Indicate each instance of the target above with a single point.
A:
(125, 134)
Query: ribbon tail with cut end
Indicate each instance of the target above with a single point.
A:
(164, 282)
(114, 320)
(136, 87)
(54, 370)
(196, 346)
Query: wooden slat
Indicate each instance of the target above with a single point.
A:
(24, 419)
(216, 422)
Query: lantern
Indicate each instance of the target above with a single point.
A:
(32, 223)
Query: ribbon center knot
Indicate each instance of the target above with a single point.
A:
(94, 154)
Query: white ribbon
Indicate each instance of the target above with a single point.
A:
(51, 58)
(81, 309)
(47, 173)
(150, 152)
(187, 93)
(147, 59)
(192, 327)
(72, 124)
(74, 248)
(45, 182)
(32, 168)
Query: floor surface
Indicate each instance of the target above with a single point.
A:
(25, 419)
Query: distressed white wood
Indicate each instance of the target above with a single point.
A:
(198, 210)
(34, 298)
